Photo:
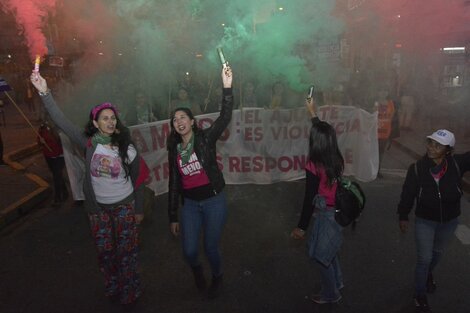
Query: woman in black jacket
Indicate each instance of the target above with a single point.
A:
(196, 177)
(434, 181)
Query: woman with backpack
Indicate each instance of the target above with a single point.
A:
(323, 170)
(113, 188)
(434, 182)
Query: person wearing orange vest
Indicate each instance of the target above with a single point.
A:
(385, 109)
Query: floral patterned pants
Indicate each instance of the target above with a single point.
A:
(116, 238)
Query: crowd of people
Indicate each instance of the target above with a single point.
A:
(115, 174)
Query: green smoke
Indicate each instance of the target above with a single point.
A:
(280, 44)
(160, 41)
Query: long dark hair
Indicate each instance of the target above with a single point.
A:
(324, 151)
(121, 137)
(174, 138)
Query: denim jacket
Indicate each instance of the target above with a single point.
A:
(326, 237)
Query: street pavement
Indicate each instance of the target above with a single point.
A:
(48, 262)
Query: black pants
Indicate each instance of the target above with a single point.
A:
(56, 165)
(382, 145)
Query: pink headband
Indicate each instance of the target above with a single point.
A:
(100, 107)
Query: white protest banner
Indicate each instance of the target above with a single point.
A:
(266, 146)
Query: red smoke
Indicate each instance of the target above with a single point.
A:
(419, 22)
(30, 17)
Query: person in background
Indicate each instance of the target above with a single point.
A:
(195, 176)
(324, 167)
(113, 188)
(183, 101)
(142, 111)
(386, 110)
(407, 108)
(277, 96)
(51, 145)
(249, 96)
(434, 184)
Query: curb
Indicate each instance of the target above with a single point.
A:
(28, 202)
(416, 156)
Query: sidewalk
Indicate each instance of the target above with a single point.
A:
(22, 188)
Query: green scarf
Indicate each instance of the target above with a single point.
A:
(99, 138)
(185, 153)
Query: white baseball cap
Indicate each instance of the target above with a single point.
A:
(444, 137)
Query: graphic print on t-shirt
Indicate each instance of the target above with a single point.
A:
(105, 166)
(193, 167)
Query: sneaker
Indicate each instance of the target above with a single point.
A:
(320, 300)
(199, 278)
(215, 288)
(430, 284)
(421, 304)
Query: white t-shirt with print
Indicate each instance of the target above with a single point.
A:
(108, 176)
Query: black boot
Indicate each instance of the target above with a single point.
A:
(430, 284)
(421, 304)
(199, 277)
(215, 288)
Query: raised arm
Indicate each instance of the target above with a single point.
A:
(57, 116)
(219, 125)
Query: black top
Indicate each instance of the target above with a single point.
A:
(205, 149)
(436, 201)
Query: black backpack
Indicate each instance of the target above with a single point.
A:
(350, 201)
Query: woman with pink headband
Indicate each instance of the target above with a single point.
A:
(113, 188)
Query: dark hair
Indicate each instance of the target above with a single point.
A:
(174, 138)
(324, 151)
(120, 138)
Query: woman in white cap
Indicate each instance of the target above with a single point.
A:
(435, 182)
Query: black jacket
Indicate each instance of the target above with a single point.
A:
(205, 149)
(439, 202)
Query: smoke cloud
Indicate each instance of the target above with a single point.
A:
(117, 47)
(152, 45)
(31, 16)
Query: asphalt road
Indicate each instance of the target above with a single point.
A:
(48, 262)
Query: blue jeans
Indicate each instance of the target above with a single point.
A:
(431, 238)
(209, 216)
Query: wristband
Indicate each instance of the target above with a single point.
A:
(44, 93)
